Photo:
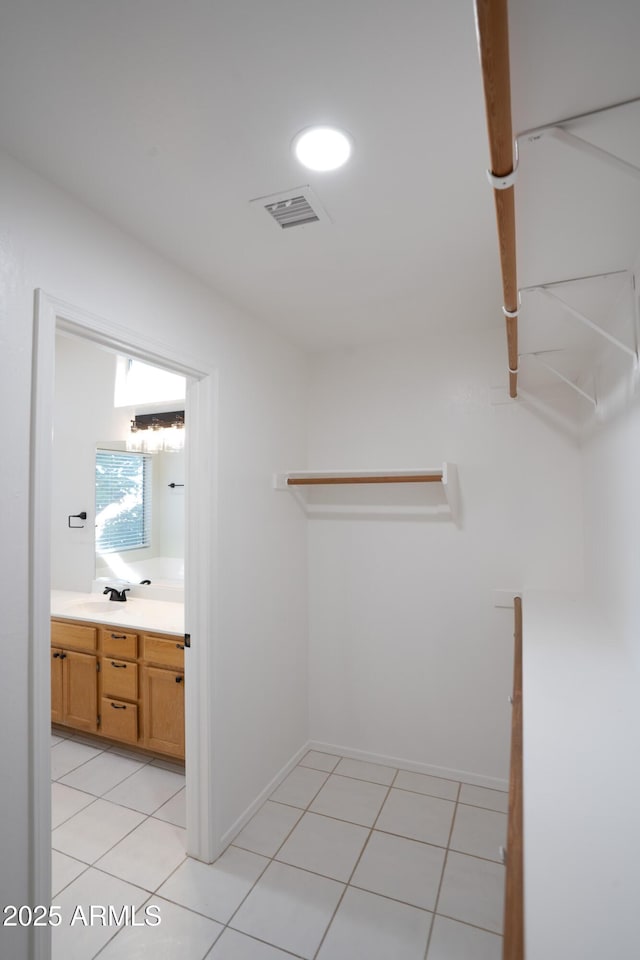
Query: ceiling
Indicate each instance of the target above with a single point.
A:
(168, 118)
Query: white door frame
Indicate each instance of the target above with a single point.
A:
(52, 314)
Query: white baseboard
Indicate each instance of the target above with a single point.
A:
(466, 776)
(254, 806)
(478, 779)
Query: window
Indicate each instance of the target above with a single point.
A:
(140, 383)
(123, 501)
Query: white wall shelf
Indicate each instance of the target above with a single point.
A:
(443, 480)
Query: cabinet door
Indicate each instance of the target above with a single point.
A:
(56, 685)
(163, 716)
(80, 690)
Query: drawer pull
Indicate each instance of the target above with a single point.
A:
(179, 646)
(179, 679)
(118, 636)
(118, 666)
(121, 706)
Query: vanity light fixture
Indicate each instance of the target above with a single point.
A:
(155, 432)
(322, 148)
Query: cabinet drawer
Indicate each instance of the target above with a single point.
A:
(119, 679)
(119, 720)
(165, 651)
(118, 643)
(64, 633)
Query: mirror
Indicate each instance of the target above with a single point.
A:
(97, 395)
(139, 517)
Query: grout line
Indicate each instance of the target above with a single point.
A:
(285, 952)
(390, 833)
(466, 923)
(87, 866)
(120, 803)
(476, 806)
(272, 859)
(421, 793)
(362, 779)
(129, 832)
(77, 767)
(119, 930)
(444, 867)
(355, 866)
(62, 822)
(101, 796)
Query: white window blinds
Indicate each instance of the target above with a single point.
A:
(123, 501)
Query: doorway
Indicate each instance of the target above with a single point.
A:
(51, 317)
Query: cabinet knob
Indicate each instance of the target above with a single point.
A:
(179, 679)
(179, 646)
(55, 656)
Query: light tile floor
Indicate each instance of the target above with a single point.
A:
(346, 861)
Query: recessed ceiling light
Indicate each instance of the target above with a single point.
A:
(322, 148)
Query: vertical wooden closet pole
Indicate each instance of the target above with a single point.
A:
(492, 25)
(513, 944)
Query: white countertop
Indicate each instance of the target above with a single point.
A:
(162, 616)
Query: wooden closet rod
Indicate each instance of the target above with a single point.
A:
(417, 478)
(493, 41)
(513, 942)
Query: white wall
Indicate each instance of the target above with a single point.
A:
(259, 713)
(581, 784)
(408, 656)
(169, 503)
(611, 478)
(83, 414)
(582, 717)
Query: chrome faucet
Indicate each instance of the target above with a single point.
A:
(117, 595)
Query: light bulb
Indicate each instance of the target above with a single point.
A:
(322, 148)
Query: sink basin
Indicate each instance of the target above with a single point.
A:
(98, 607)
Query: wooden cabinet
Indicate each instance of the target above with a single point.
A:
(57, 715)
(74, 689)
(130, 689)
(163, 695)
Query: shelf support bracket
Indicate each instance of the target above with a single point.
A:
(561, 376)
(630, 351)
(559, 131)
(584, 146)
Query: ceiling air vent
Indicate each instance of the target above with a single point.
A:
(292, 212)
(293, 208)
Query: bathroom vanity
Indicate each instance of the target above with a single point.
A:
(113, 676)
